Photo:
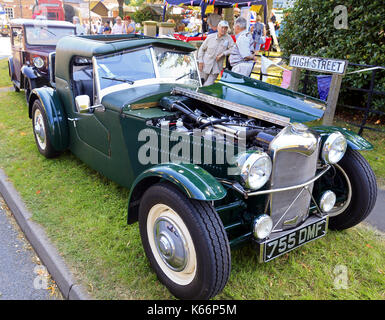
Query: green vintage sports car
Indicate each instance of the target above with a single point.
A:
(208, 168)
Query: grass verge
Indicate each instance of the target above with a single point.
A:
(84, 215)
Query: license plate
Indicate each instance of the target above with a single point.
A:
(291, 240)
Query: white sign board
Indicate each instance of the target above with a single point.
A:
(318, 64)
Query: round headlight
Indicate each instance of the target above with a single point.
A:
(327, 201)
(256, 170)
(38, 62)
(262, 226)
(334, 148)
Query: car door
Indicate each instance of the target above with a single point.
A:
(17, 51)
(89, 126)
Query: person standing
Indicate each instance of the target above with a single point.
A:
(212, 53)
(106, 28)
(118, 27)
(129, 25)
(213, 20)
(79, 29)
(100, 27)
(242, 54)
(258, 31)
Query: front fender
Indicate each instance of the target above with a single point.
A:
(354, 141)
(195, 182)
(56, 116)
(28, 72)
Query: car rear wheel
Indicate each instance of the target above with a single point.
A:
(185, 242)
(356, 177)
(39, 125)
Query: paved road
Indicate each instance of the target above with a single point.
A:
(377, 217)
(5, 47)
(21, 275)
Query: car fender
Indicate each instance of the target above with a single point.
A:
(354, 141)
(55, 114)
(28, 72)
(195, 182)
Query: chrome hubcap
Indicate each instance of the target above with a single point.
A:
(170, 243)
(39, 129)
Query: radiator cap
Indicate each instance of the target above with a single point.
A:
(298, 128)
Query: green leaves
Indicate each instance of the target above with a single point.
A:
(310, 30)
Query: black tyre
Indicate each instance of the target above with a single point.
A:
(356, 176)
(40, 125)
(29, 85)
(185, 242)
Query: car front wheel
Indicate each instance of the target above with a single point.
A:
(40, 127)
(185, 242)
(355, 177)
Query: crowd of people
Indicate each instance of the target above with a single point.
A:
(220, 44)
(242, 54)
(126, 26)
(217, 46)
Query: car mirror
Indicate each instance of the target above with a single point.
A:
(83, 103)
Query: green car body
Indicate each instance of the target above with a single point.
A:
(107, 140)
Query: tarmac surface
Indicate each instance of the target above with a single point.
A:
(377, 217)
(22, 277)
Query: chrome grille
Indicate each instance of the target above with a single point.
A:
(294, 155)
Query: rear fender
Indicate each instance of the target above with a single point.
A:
(56, 116)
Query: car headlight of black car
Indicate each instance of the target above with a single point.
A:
(255, 169)
(334, 148)
(38, 62)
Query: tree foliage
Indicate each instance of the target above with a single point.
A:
(143, 15)
(309, 29)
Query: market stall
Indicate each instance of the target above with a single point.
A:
(196, 38)
(220, 4)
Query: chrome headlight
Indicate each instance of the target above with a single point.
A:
(262, 226)
(327, 201)
(38, 62)
(334, 148)
(256, 170)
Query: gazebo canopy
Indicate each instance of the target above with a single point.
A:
(218, 3)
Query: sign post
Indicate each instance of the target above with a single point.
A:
(336, 67)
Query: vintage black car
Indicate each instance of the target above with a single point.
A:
(33, 45)
(208, 168)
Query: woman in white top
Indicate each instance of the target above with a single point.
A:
(118, 27)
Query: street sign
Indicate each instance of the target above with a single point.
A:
(319, 64)
(322, 65)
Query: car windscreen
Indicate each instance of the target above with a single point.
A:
(179, 66)
(125, 67)
(46, 35)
